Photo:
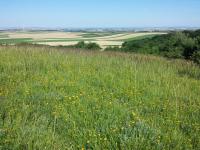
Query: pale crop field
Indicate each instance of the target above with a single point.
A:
(54, 98)
(43, 35)
(103, 44)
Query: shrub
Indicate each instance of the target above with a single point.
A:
(112, 48)
(80, 44)
(189, 47)
(89, 46)
(92, 46)
(196, 57)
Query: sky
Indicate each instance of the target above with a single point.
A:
(99, 13)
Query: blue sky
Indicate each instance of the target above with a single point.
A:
(99, 13)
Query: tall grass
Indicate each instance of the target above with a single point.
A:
(60, 99)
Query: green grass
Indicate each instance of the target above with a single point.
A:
(68, 99)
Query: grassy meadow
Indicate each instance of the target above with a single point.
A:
(53, 98)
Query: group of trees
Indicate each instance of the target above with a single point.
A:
(184, 44)
(88, 46)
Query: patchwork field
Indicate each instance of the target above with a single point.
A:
(104, 39)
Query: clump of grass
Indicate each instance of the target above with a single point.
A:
(52, 98)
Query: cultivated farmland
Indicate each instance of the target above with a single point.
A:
(55, 38)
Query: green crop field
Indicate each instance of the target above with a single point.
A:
(140, 38)
(53, 98)
(15, 40)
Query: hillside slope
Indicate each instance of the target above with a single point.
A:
(62, 99)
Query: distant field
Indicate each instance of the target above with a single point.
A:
(104, 39)
(3, 35)
(14, 40)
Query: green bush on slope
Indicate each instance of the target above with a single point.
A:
(184, 45)
(89, 46)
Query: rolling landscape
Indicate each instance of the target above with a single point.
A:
(99, 88)
(56, 38)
